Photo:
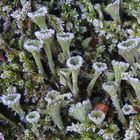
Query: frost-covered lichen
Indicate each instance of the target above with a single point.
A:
(65, 40)
(69, 70)
(34, 46)
(74, 63)
(38, 17)
(12, 100)
(99, 67)
(79, 111)
(47, 37)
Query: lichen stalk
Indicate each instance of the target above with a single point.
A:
(111, 88)
(47, 37)
(66, 73)
(74, 63)
(138, 96)
(50, 58)
(119, 67)
(53, 110)
(13, 102)
(65, 50)
(38, 17)
(34, 47)
(75, 89)
(33, 118)
(80, 110)
(18, 110)
(41, 23)
(92, 83)
(65, 40)
(37, 59)
(99, 67)
(116, 103)
(136, 85)
(128, 55)
(128, 48)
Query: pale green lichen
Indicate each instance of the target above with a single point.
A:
(80, 111)
(75, 36)
(111, 88)
(12, 100)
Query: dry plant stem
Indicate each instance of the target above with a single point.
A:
(75, 88)
(50, 59)
(37, 58)
(92, 83)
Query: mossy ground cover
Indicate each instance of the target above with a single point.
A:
(70, 69)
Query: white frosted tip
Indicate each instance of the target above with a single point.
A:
(51, 96)
(75, 62)
(44, 34)
(99, 66)
(97, 116)
(85, 103)
(39, 13)
(128, 44)
(10, 99)
(120, 63)
(65, 36)
(33, 117)
(127, 109)
(33, 45)
(78, 128)
(126, 75)
(16, 14)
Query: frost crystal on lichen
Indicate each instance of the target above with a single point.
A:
(80, 110)
(11, 99)
(33, 45)
(75, 62)
(97, 116)
(33, 117)
(39, 17)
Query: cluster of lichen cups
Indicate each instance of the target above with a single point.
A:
(85, 116)
(46, 37)
(81, 111)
